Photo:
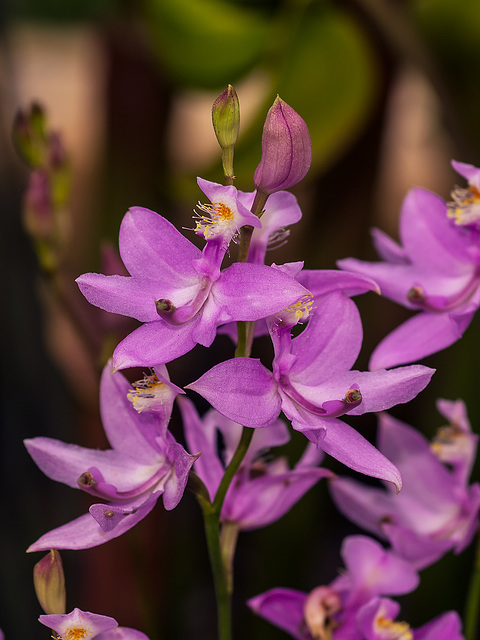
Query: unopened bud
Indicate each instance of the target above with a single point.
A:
(29, 135)
(226, 124)
(226, 117)
(37, 209)
(286, 149)
(49, 582)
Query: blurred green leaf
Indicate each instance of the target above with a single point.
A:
(324, 67)
(330, 80)
(205, 43)
(452, 33)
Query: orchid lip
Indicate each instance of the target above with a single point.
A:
(93, 483)
(330, 408)
(417, 296)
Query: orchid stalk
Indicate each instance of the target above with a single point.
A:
(184, 296)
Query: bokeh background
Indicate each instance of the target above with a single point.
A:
(390, 92)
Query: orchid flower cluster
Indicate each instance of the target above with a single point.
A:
(184, 296)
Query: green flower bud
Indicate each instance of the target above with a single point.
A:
(29, 135)
(226, 124)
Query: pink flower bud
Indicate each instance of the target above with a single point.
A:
(286, 149)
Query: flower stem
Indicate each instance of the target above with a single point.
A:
(473, 598)
(230, 471)
(228, 542)
(221, 546)
(223, 595)
(222, 564)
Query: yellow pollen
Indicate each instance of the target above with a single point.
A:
(391, 630)
(219, 216)
(222, 212)
(76, 633)
(464, 207)
(148, 393)
(302, 308)
(449, 441)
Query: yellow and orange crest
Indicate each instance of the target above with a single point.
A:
(218, 219)
(148, 394)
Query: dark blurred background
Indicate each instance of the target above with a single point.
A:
(390, 92)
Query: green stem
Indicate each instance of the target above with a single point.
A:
(221, 547)
(241, 349)
(227, 162)
(473, 598)
(231, 470)
(222, 566)
(228, 542)
(211, 520)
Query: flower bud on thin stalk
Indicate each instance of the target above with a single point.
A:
(286, 159)
(45, 212)
(226, 124)
(29, 135)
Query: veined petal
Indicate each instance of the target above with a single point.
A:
(322, 281)
(176, 480)
(429, 481)
(366, 506)
(330, 343)
(396, 280)
(201, 436)
(67, 462)
(283, 608)
(347, 446)
(430, 239)
(241, 389)
(448, 626)
(375, 570)
(281, 210)
(388, 249)
(266, 499)
(418, 337)
(85, 532)
(155, 343)
(151, 247)
(134, 297)
(380, 389)
(254, 291)
(420, 551)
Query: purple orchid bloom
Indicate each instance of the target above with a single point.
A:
(178, 291)
(436, 271)
(330, 611)
(376, 621)
(83, 624)
(436, 510)
(313, 385)
(144, 462)
(261, 491)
